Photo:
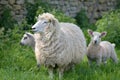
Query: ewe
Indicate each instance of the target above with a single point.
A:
(100, 51)
(59, 44)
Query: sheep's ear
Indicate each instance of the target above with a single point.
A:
(103, 34)
(53, 21)
(90, 32)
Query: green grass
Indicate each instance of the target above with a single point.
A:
(18, 63)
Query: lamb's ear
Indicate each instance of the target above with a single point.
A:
(28, 34)
(90, 32)
(103, 34)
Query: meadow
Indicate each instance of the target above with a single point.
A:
(18, 63)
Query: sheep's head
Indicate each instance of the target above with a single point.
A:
(27, 39)
(45, 23)
(96, 36)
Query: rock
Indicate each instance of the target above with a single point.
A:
(30, 1)
(11, 1)
(3, 2)
(17, 7)
(20, 1)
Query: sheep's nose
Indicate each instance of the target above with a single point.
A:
(21, 43)
(95, 41)
(33, 28)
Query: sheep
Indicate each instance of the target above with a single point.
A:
(59, 44)
(28, 40)
(99, 51)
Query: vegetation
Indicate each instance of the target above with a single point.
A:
(6, 19)
(110, 22)
(18, 62)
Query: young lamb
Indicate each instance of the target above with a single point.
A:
(28, 40)
(59, 44)
(98, 50)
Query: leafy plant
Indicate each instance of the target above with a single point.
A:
(110, 22)
(117, 4)
(58, 14)
(32, 8)
(6, 19)
(82, 19)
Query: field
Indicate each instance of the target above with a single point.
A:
(18, 63)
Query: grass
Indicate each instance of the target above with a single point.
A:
(18, 63)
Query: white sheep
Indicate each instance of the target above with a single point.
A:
(98, 50)
(58, 44)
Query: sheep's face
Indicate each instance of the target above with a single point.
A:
(26, 39)
(44, 24)
(40, 25)
(96, 36)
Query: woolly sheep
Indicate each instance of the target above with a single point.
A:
(98, 50)
(59, 44)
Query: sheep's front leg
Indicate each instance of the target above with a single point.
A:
(89, 62)
(98, 61)
(104, 60)
(50, 71)
(61, 70)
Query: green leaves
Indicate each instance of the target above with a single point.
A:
(110, 22)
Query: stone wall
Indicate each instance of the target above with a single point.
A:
(94, 8)
(17, 8)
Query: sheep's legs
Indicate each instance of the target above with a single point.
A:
(104, 60)
(50, 70)
(98, 61)
(61, 70)
(89, 62)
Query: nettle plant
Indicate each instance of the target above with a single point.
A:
(110, 22)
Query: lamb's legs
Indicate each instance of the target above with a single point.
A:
(51, 75)
(61, 70)
(114, 57)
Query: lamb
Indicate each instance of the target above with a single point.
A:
(28, 40)
(98, 50)
(59, 44)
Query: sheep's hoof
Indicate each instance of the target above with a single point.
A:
(38, 65)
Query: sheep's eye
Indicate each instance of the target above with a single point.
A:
(45, 21)
(25, 38)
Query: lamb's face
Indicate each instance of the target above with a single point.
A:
(40, 25)
(26, 40)
(96, 39)
(96, 36)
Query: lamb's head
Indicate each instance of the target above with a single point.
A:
(45, 23)
(27, 39)
(96, 36)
